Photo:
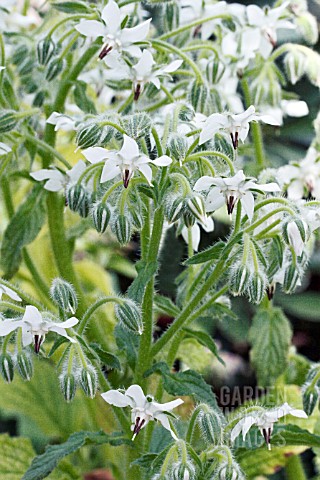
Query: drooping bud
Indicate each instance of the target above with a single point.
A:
(195, 204)
(214, 70)
(129, 315)
(291, 279)
(170, 16)
(64, 295)
(25, 367)
(78, 199)
(137, 125)
(8, 120)
(186, 112)
(89, 135)
(295, 63)
(178, 146)
(122, 229)
(55, 67)
(183, 471)
(308, 26)
(6, 367)
(45, 50)
(89, 381)
(257, 287)
(68, 386)
(200, 98)
(295, 234)
(211, 424)
(239, 279)
(311, 389)
(174, 208)
(101, 216)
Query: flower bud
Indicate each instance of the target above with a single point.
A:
(26, 67)
(101, 216)
(310, 398)
(295, 63)
(25, 366)
(89, 381)
(39, 98)
(195, 205)
(295, 233)
(19, 55)
(64, 295)
(6, 367)
(211, 424)
(186, 112)
(308, 27)
(78, 199)
(200, 98)
(137, 219)
(45, 50)
(239, 279)
(188, 218)
(68, 386)
(8, 120)
(214, 70)
(170, 17)
(129, 315)
(228, 472)
(178, 146)
(122, 229)
(174, 208)
(183, 471)
(89, 135)
(291, 278)
(257, 287)
(136, 125)
(55, 67)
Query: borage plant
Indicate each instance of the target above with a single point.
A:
(135, 119)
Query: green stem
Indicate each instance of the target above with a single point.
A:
(47, 148)
(157, 141)
(255, 128)
(267, 216)
(294, 469)
(86, 317)
(11, 306)
(201, 21)
(113, 125)
(143, 361)
(39, 283)
(210, 153)
(238, 218)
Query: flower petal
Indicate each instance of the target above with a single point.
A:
(203, 183)
(163, 419)
(32, 315)
(91, 28)
(146, 172)
(71, 322)
(135, 34)
(116, 398)
(110, 171)
(111, 15)
(247, 201)
(162, 161)
(95, 154)
(8, 326)
(11, 293)
(129, 148)
(136, 393)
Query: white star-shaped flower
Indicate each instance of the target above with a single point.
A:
(236, 125)
(125, 162)
(61, 122)
(230, 190)
(264, 420)
(144, 408)
(207, 226)
(35, 327)
(56, 180)
(114, 36)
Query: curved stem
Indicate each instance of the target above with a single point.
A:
(47, 148)
(86, 317)
(294, 469)
(210, 153)
(201, 21)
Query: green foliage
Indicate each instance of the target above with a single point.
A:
(270, 337)
(44, 464)
(204, 339)
(72, 7)
(145, 270)
(304, 305)
(165, 305)
(211, 253)
(23, 228)
(184, 383)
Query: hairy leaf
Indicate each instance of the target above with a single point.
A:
(166, 305)
(204, 339)
(211, 253)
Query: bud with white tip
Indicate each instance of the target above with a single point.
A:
(78, 199)
(295, 234)
(239, 279)
(25, 367)
(295, 63)
(45, 50)
(128, 314)
(174, 208)
(311, 389)
(122, 228)
(89, 381)
(6, 367)
(55, 67)
(88, 135)
(64, 295)
(257, 287)
(195, 204)
(101, 216)
(68, 385)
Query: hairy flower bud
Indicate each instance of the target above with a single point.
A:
(200, 98)
(311, 389)
(195, 204)
(101, 216)
(25, 367)
(295, 233)
(136, 125)
(89, 135)
(214, 70)
(89, 381)
(64, 295)
(55, 67)
(170, 16)
(45, 50)
(122, 229)
(295, 63)
(308, 26)
(78, 199)
(239, 279)
(291, 278)
(257, 287)
(68, 386)
(6, 367)
(129, 315)
(186, 112)
(178, 146)
(211, 424)
(173, 208)
(8, 120)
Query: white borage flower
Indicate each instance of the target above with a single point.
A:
(61, 122)
(208, 226)
(302, 178)
(236, 125)
(11, 293)
(126, 161)
(4, 149)
(231, 190)
(56, 180)
(114, 36)
(290, 108)
(144, 408)
(268, 21)
(35, 327)
(264, 419)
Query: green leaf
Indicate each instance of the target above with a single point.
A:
(188, 382)
(108, 359)
(166, 305)
(270, 337)
(145, 270)
(204, 339)
(23, 228)
(127, 343)
(211, 253)
(72, 7)
(81, 99)
(303, 305)
(44, 464)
